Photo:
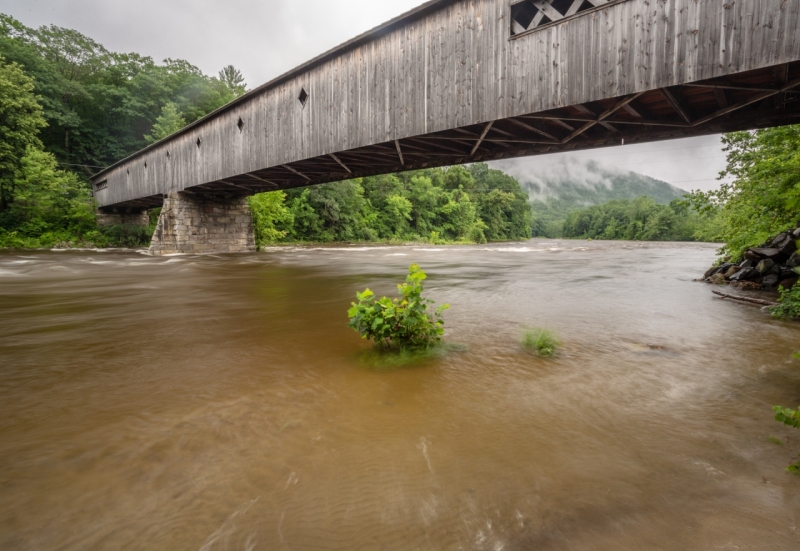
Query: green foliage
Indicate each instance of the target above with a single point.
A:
(99, 104)
(789, 303)
(232, 78)
(764, 198)
(51, 207)
(270, 216)
(789, 418)
(639, 219)
(401, 323)
(542, 342)
(20, 121)
(167, 123)
(453, 205)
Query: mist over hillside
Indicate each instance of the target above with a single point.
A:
(560, 186)
(585, 183)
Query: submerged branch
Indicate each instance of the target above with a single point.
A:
(745, 299)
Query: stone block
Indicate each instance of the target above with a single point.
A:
(189, 224)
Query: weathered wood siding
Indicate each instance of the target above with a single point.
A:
(458, 66)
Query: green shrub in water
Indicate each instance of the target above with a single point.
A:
(791, 418)
(789, 306)
(542, 342)
(401, 323)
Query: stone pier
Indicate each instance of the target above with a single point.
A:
(122, 217)
(190, 224)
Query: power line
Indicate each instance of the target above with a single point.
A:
(83, 166)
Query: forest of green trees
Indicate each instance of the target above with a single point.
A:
(642, 219)
(471, 204)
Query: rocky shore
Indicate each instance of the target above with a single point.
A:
(774, 264)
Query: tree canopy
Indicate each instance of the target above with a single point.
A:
(456, 204)
(100, 105)
(764, 197)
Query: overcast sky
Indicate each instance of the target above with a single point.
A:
(265, 38)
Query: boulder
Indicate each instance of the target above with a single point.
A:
(784, 242)
(717, 279)
(779, 239)
(731, 271)
(770, 281)
(796, 233)
(711, 271)
(744, 275)
(794, 260)
(753, 257)
(765, 252)
(765, 266)
(747, 264)
(747, 285)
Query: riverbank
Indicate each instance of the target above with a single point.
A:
(773, 265)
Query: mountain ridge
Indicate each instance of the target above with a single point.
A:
(558, 188)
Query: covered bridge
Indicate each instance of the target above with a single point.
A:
(459, 81)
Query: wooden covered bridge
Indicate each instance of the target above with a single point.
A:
(459, 81)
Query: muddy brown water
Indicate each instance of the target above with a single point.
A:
(221, 403)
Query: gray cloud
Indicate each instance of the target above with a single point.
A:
(265, 38)
(687, 163)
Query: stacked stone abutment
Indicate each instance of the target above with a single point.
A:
(190, 224)
(124, 218)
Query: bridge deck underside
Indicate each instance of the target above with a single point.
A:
(756, 99)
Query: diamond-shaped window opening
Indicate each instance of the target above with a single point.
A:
(525, 16)
(199, 143)
(145, 164)
(303, 97)
(240, 124)
(167, 154)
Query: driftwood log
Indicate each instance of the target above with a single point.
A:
(745, 299)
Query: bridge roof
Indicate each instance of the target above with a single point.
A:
(367, 36)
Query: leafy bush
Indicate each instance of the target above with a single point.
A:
(791, 418)
(542, 342)
(401, 323)
(789, 306)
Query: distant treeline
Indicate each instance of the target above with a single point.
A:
(474, 204)
(642, 219)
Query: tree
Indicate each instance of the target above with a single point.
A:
(764, 198)
(20, 122)
(271, 218)
(167, 123)
(233, 80)
(99, 104)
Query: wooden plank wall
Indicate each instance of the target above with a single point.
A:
(458, 66)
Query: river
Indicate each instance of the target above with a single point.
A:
(221, 403)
